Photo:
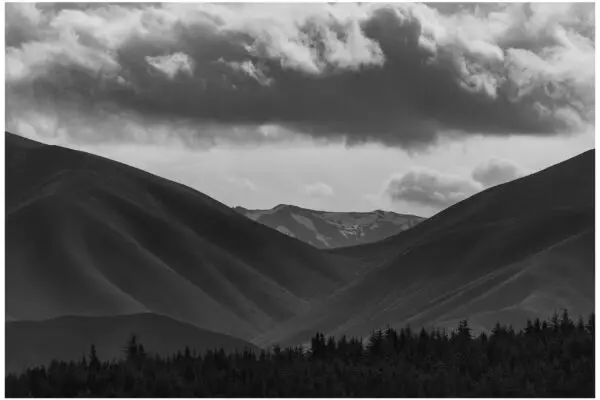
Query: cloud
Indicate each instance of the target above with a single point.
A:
(496, 171)
(248, 68)
(47, 121)
(438, 190)
(173, 64)
(318, 189)
(430, 187)
(242, 183)
(399, 74)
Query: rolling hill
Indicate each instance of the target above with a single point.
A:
(87, 236)
(34, 343)
(326, 230)
(93, 239)
(517, 250)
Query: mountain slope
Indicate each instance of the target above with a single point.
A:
(34, 343)
(525, 248)
(89, 236)
(325, 230)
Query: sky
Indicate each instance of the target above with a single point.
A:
(407, 107)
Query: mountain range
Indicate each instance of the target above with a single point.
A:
(520, 250)
(87, 236)
(92, 242)
(325, 229)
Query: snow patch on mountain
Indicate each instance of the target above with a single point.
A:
(285, 230)
(323, 239)
(304, 221)
(326, 229)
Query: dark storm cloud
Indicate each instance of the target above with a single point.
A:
(395, 74)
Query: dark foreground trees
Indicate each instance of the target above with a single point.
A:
(553, 358)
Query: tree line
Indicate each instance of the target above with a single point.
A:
(550, 358)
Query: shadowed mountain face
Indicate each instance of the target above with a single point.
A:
(518, 250)
(326, 230)
(71, 337)
(88, 236)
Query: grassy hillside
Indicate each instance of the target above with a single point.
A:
(525, 248)
(93, 237)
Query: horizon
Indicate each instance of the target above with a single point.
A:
(290, 204)
(250, 121)
(300, 200)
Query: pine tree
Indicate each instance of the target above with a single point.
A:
(566, 324)
(94, 361)
(590, 324)
(131, 348)
(547, 363)
(464, 331)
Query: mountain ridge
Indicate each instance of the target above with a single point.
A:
(331, 229)
(526, 234)
(90, 237)
(94, 223)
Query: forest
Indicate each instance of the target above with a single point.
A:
(550, 358)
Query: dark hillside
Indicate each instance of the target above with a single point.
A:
(522, 249)
(89, 236)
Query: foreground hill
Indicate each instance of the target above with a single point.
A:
(325, 229)
(35, 343)
(88, 236)
(521, 249)
(552, 358)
